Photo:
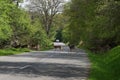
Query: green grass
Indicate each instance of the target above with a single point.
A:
(13, 51)
(105, 66)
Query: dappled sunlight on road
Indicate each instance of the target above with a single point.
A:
(45, 65)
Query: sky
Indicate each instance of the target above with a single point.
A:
(26, 2)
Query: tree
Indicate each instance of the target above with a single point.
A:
(18, 22)
(60, 21)
(106, 26)
(46, 9)
(37, 36)
(95, 23)
(18, 29)
(58, 35)
(5, 29)
(80, 13)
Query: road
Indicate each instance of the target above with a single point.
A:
(45, 65)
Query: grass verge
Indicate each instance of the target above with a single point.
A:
(105, 66)
(12, 51)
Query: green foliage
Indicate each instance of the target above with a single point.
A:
(20, 49)
(59, 35)
(94, 22)
(60, 21)
(80, 13)
(107, 66)
(66, 34)
(17, 28)
(5, 30)
(13, 51)
(20, 24)
(105, 31)
(113, 61)
(38, 35)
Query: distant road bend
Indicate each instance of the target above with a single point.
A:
(45, 65)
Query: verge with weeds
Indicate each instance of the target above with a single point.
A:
(105, 66)
(12, 51)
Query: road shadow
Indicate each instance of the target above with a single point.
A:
(42, 69)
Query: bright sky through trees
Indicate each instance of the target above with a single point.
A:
(26, 2)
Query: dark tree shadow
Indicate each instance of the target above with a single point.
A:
(42, 69)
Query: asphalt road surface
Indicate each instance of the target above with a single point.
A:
(45, 65)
